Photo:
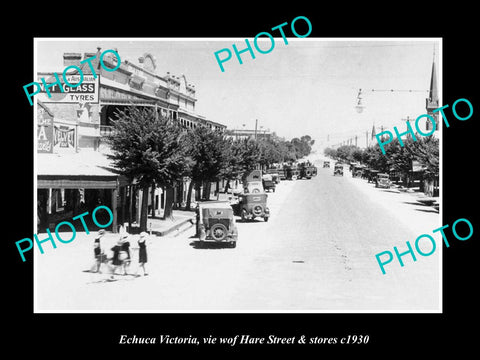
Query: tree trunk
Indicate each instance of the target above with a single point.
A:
(206, 190)
(130, 205)
(197, 191)
(189, 195)
(144, 208)
(152, 200)
(169, 194)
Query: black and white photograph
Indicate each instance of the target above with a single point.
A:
(195, 180)
(206, 175)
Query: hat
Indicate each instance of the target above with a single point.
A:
(101, 232)
(143, 234)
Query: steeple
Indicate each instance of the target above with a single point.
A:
(432, 101)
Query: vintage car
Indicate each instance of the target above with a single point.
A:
(282, 174)
(268, 183)
(216, 223)
(306, 171)
(326, 164)
(252, 182)
(293, 173)
(358, 170)
(275, 176)
(251, 206)
(338, 170)
(371, 175)
(383, 180)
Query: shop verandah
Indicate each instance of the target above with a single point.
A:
(61, 197)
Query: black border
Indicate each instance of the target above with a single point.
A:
(408, 334)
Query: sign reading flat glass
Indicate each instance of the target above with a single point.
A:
(86, 92)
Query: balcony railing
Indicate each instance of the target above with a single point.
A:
(106, 130)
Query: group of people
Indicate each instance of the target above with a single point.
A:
(121, 259)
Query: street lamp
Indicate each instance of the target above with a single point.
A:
(359, 107)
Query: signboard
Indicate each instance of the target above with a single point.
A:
(44, 131)
(64, 137)
(86, 92)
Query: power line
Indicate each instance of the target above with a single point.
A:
(394, 90)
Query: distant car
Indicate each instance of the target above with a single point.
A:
(383, 181)
(275, 173)
(326, 164)
(307, 171)
(251, 206)
(268, 183)
(338, 170)
(216, 223)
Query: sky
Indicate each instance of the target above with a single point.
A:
(308, 86)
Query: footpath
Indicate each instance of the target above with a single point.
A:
(180, 221)
(413, 208)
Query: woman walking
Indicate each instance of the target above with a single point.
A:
(125, 253)
(142, 253)
(116, 261)
(97, 251)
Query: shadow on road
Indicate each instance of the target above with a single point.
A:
(429, 211)
(209, 245)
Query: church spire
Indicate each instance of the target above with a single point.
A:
(432, 101)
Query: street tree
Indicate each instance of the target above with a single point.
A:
(248, 151)
(146, 147)
(208, 151)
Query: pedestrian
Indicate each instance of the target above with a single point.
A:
(124, 254)
(98, 252)
(142, 253)
(116, 261)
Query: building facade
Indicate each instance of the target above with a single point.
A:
(73, 172)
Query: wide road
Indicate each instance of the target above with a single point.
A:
(317, 253)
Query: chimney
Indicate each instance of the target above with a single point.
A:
(71, 59)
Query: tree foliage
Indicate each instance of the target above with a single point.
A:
(397, 158)
(147, 148)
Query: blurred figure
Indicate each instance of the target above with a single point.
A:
(98, 252)
(124, 254)
(142, 253)
(116, 261)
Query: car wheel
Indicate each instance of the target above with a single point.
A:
(257, 210)
(233, 244)
(218, 231)
(265, 219)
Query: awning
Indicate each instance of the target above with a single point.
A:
(86, 169)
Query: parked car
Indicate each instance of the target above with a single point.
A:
(338, 170)
(252, 182)
(326, 164)
(357, 170)
(383, 181)
(307, 171)
(268, 183)
(372, 175)
(216, 223)
(276, 174)
(251, 206)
